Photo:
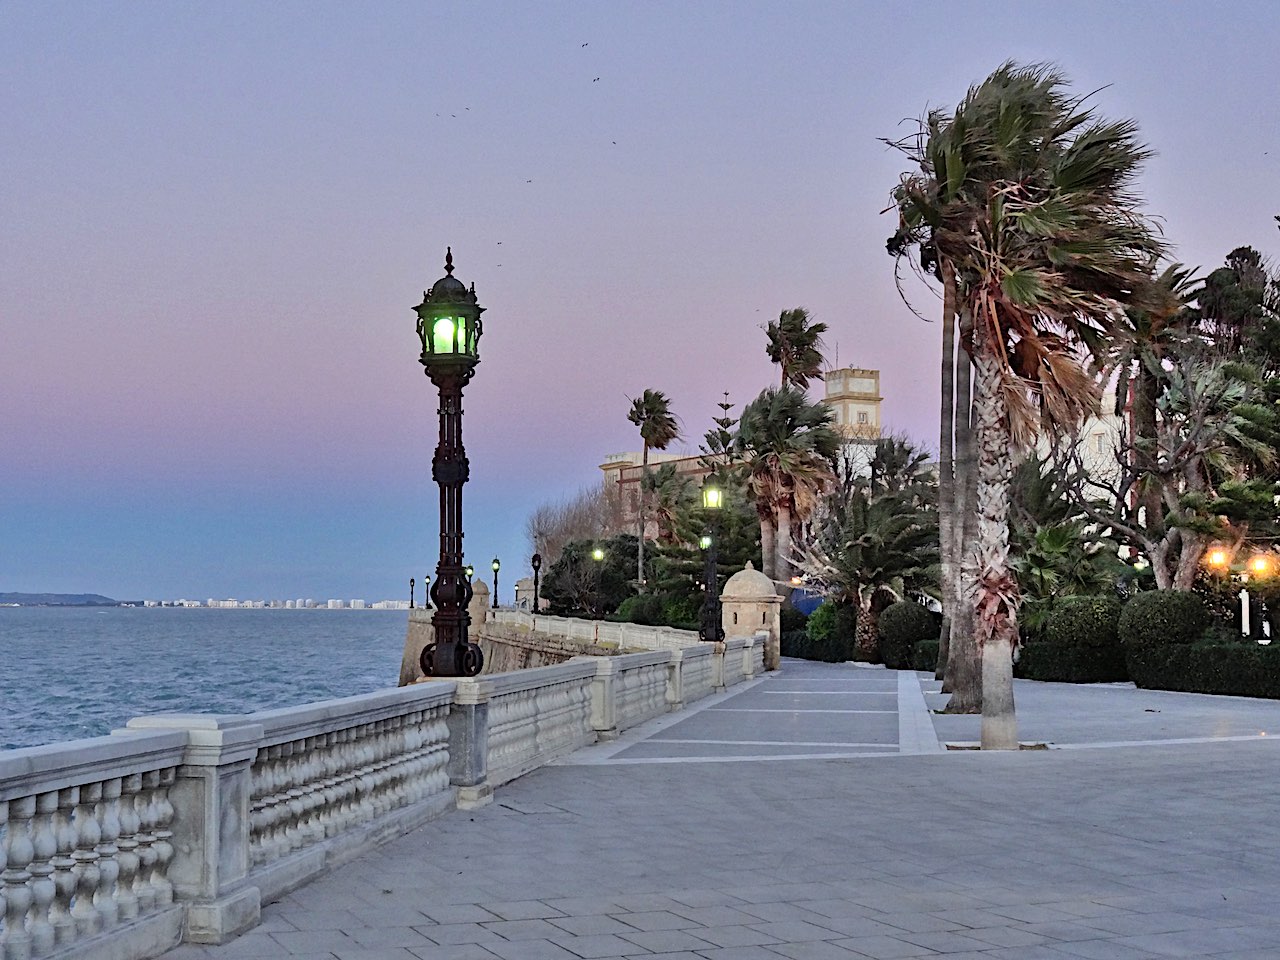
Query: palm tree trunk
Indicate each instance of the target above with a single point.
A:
(767, 541)
(963, 678)
(782, 565)
(995, 606)
(946, 485)
(867, 643)
(644, 471)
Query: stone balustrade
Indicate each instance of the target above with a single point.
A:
(628, 636)
(180, 826)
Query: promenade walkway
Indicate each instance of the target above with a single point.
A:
(815, 814)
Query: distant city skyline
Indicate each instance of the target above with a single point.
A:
(218, 218)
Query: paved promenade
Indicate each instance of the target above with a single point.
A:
(816, 815)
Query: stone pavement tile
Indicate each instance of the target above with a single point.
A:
(859, 927)
(781, 911)
(1083, 908)
(1031, 913)
(945, 942)
(794, 931)
(646, 903)
(522, 910)
(309, 941)
(1102, 950)
(972, 918)
(1265, 954)
(374, 953)
(919, 922)
(583, 906)
(453, 951)
(835, 908)
(450, 933)
(605, 945)
(735, 936)
(1066, 930)
(531, 950)
(815, 950)
(316, 920)
(738, 953)
(1192, 943)
(536, 929)
(703, 898)
(188, 951)
(1013, 935)
(591, 926)
(885, 948)
(666, 941)
(250, 945)
(655, 920)
(458, 913)
(1137, 924)
(389, 937)
(1038, 952)
(717, 916)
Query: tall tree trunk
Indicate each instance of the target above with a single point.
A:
(767, 548)
(782, 565)
(644, 472)
(963, 678)
(867, 642)
(1145, 393)
(946, 484)
(996, 601)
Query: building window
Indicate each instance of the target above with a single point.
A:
(862, 416)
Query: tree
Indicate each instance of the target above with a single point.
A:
(593, 513)
(874, 539)
(651, 412)
(787, 447)
(1027, 195)
(795, 345)
(579, 585)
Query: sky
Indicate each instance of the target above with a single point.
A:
(215, 220)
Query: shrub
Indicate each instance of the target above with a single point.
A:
(790, 620)
(1070, 663)
(644, 609)
(1158, 618)
(902, 626)
(1084, 622)
(682, 612)
(925, 655)
(817, 640)
(1233, 669)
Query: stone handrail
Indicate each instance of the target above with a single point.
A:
(632, 636)
(179, 827)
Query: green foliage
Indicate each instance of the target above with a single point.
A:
(577, 585)
(643, 608)
(1160, 618)
(795, 345)
(925, 655)
(1070, 663)
(818, 640)
(1230, 669)
(903, 625)
(822, 623)
(792, 619)
(1085, 622)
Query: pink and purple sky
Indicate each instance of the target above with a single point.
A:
(215, 220)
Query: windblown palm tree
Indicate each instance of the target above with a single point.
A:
(1027, 195)
(651, 412)
(795, 345)
(787, 446)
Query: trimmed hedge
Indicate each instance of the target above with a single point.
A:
(1233, 669)
(1157, 618)
(903, 625)
(925, 655)
(820, 639)
(1066, 663)
(1084, 622)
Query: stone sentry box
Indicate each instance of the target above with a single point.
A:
(750, 605)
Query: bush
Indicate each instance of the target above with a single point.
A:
(902, 626)
(817, 640)
(644, 609)
(791, 620)
(1084, 622)
(1157, 618)
(925, 655)
(1070, 663)
(1232, 669)
(682, 612)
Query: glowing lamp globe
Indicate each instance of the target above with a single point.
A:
(712, 496)
(496, 564)
(449, 324)
(704, 541)
(1260, 565)
(1217, 558)
(597, 554)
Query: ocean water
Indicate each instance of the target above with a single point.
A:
(67, 673)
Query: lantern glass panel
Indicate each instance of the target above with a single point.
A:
(442, 332)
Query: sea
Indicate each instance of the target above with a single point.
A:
(68, 672)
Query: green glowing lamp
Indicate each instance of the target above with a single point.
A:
(449, 324)
(712, 496)
(705, 541)
(597, 554)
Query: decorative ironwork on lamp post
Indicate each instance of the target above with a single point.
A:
(449, 328)
(496, 564)
(710, 625)
(411, 593)
(536, 560)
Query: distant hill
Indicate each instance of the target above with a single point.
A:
(57, 600)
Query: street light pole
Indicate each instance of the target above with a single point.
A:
(536, 560)
(598, 556)
(411, 593)
(710, 625)
(496, 565)
(449, 329)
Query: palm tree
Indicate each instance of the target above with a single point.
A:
(1028, 196)
(670, 494)
(795, 345)
(787, 446)
(651, 412)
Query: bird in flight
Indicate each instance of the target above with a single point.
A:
(584, 44)
(528, 181)
(596, 80)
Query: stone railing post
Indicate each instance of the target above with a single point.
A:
(210, 798)
(469, 743)
(675, 681)
(604, 699)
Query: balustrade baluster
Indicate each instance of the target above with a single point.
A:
(108, 817)
(18, 852)
(164, 838)
(126, 894)
(64, 877)
(45, 846)
(144, 805)
(84, 820)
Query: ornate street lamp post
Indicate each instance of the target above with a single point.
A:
(426, 595)
(496, 564)
(411, 593)
(449, 328)
(710, 627)
(597, 554)
(537, 567)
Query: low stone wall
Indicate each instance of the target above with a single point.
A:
(180, 826)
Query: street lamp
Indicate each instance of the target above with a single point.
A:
(426, 596)
(449, 330)
(496, 565)
(411, 593)
(471, 572)
(597, 554)
(536, 560)
(710, 627)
